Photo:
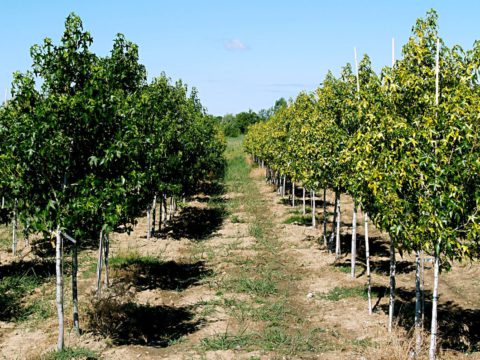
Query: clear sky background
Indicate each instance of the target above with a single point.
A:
(239, 54)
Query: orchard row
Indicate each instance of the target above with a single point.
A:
(87, 144)
(405, 144)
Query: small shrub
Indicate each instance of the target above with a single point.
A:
(103, 313)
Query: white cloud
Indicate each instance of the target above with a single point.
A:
(235, 45)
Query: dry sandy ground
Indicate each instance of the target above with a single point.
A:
(347, 325)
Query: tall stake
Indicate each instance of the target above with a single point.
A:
(154, 215)
(76, 324)
(334, 224)
(293, 193)
(338, 251)
(436, 267)
(367, 256)
(391, 302)
(325, 215)
(393, 263)
(314, 220)
(356, 68)
(304, 201)
(99, 262)
(354, 239)
(106, 251)
(148, 223)
(59, 287)
(418, 304)
(14, 229)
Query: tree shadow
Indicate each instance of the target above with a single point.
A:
(212, 188)
(149, 275)
(137, 324)
(17, 280)
(194, 223)
(458, 328)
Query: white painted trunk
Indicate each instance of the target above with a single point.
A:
(154, 214)
(433, 329)
(338, 250)
(304, 211)
(76, 323)
(367, 256)
(59, 287)
(106, 241)
(391, 302)
(334, 224)
(26, 241)
(14, 229)
(422, 286)
(99, 263)
(354, 240)
(418, 304)
(160, 219)
(314, 220)
(325, 216)
(436, 266)
(293, 194)
(148, 224)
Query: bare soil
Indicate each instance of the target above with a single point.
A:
(207, 248)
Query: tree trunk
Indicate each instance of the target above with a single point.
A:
(284, 186)
(367, 256)
(148, 223)
(14, 229)
(338, 251)
(59, 287)
(293, 194)
(76, 324)
(106, 241)
(314, 220)
(160, 214)
(325, 215)
(304, 211)
(418, 304)
(154, 214)
(433, 329)
(422, 286)
(391, 302)
(354, 239)
(99, 262)
(334, 224)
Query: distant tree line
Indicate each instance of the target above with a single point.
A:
(235, 125)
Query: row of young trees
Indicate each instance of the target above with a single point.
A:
(86, 144)
(404, 144)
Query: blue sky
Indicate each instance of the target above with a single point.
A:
(239, 54)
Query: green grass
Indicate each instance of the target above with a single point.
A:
(71, 353)
(299, 219)
(339, 293)
(227, 341)
(14, 302)
(236, 220)
(263, 277)
(343, 268)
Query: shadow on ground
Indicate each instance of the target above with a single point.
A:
(458, 327)
(194, 223)
(136, 324)
(161, 275)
